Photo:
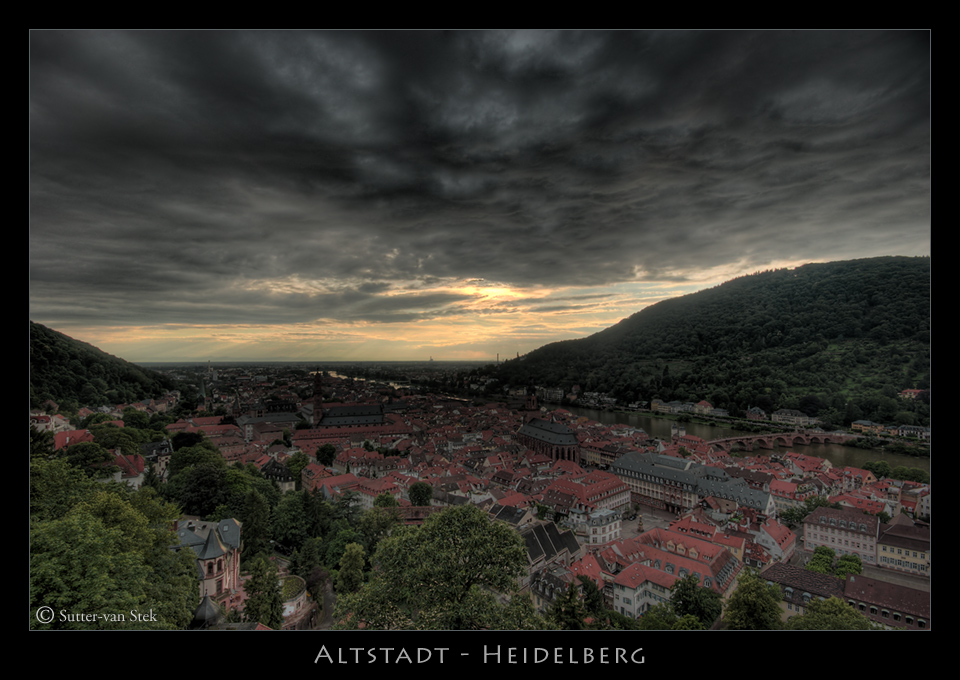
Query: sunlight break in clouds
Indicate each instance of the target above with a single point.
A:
(245, 194)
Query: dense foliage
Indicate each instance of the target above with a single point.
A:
(830, 614)
(754, 605)
(72, 373)
(838, 341)
(100, 554)
(443, 575)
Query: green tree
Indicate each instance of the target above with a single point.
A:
(264, 602)
(848, 564)
(347, 507)
(41, 443)
(795, 516)
(754, 605)
(441, 575)
(688, 597)
(519, 614)
(256, 525)
(204, 453)
(94, 460)
(296, 463)
(880, 468)
(592, 597)
(376, 524)
(822, 560)
(658, 617)
(567, 612)
(126, 440)
(618, 621)
(830, 614)
(135, 419)
(80, 566)
(199, 489)
(172, 588)
(336, 542)
(326, 454)
(350, 575)
(56, 486)
(420, 494)
(107, 547)
(385, 500)
(307, 563)
(688, 622)
(289, 520)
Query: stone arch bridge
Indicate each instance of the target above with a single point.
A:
(781, 439)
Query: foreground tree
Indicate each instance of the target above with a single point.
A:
(289, 522)
(568, 611)
(754, 605)
(296, 463)
(80, 565)
(441, 575)
(688, 597)
(105, 550)
(256, 525)
(830, 614)
(376, 524)
(41, 444)
(663, 617)
(350, 575)
(265, 600)
(94, 460)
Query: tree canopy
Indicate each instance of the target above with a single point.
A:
(99, 551)
(421, 494)
(830, 614)
(829, 339)
(754, 605)
(265, 602)
(72, 373)
(442, 575)
(688, 597)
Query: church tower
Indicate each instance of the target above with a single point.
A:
(317, 397)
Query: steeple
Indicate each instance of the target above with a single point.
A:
(317, 396)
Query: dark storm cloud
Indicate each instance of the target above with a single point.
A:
(181, 173)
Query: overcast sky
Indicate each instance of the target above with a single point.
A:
(395, 195)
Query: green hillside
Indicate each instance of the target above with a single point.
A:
(71, 372)
(838, 341)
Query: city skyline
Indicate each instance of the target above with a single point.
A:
(401, 195)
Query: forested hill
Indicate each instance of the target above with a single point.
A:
(75, 373)
(837, 340)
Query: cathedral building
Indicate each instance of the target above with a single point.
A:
(551, 439)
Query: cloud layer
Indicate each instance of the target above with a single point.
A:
(368, 179)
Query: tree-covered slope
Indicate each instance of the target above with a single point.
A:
(842, 338)
(73, 372)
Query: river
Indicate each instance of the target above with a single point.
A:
(660, 428)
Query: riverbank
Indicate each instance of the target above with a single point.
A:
(660, 426)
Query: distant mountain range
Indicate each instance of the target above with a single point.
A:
(71, 373)
(839, 341)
